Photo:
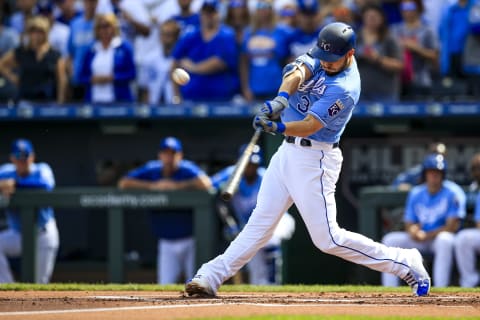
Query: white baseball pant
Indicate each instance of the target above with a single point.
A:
(47, 247)
(467, 246)
(441, 247)
(175, 257)
(306, 176)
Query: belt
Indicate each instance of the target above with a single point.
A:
(306, 142)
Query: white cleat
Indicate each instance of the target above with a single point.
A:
(417, 278)
(199, 286)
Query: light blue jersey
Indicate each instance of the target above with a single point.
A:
(330, 99)
(40, 177)
(431, 211)
(245, 199)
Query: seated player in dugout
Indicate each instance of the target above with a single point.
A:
(173, 228)
(432, 217)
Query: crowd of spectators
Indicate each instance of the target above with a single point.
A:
(108, 51)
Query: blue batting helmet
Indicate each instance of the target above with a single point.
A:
(256, 157)
(334, 41)
(434, 161)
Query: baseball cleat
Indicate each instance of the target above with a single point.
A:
(199, 286)
(417, 278)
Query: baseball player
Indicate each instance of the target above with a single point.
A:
(176, 246)
(24, 173)
(432, 216)
(414, 176)
(467, 241)
(315, 102)
(266, 266)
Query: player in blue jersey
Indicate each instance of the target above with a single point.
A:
(467, 241)
(432, 217)
(176, 246)
(316, 99)
(266, 266)
(413, 176)
(209, 54)
(24, 173)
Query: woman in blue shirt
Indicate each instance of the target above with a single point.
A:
(108, 66)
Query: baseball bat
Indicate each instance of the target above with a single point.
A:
(234, 180)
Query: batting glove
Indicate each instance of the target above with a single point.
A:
(261, 121)
(273, 108)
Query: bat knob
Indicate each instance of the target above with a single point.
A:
(226, 196)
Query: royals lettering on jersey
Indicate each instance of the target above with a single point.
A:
(431, 211)
(330, 99)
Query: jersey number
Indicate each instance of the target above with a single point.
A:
(304, 105)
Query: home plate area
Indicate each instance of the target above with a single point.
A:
(174, 305)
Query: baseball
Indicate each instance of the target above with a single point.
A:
(180, 76)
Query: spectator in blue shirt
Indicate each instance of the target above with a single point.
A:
(264, 53)
(209, 54)
(24, 173)
(432, 217)
(454, 28)
(108, 67)
(471, 58)
(305, 35)
(68, 11)
(174, 230)
(80, 39)
(238, 17)
(186, 19)
(467, 241)
(26, 10)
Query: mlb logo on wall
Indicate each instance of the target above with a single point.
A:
(335, 108)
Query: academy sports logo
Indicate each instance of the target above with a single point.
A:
(335, 108)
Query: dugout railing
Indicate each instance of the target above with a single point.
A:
(114, 202)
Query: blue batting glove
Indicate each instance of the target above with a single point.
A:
(261, 121)
(273, 108)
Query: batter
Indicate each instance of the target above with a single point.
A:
(316, 99)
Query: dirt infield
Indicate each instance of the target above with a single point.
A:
(108, 305)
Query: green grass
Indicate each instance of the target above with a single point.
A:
(224, 288)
